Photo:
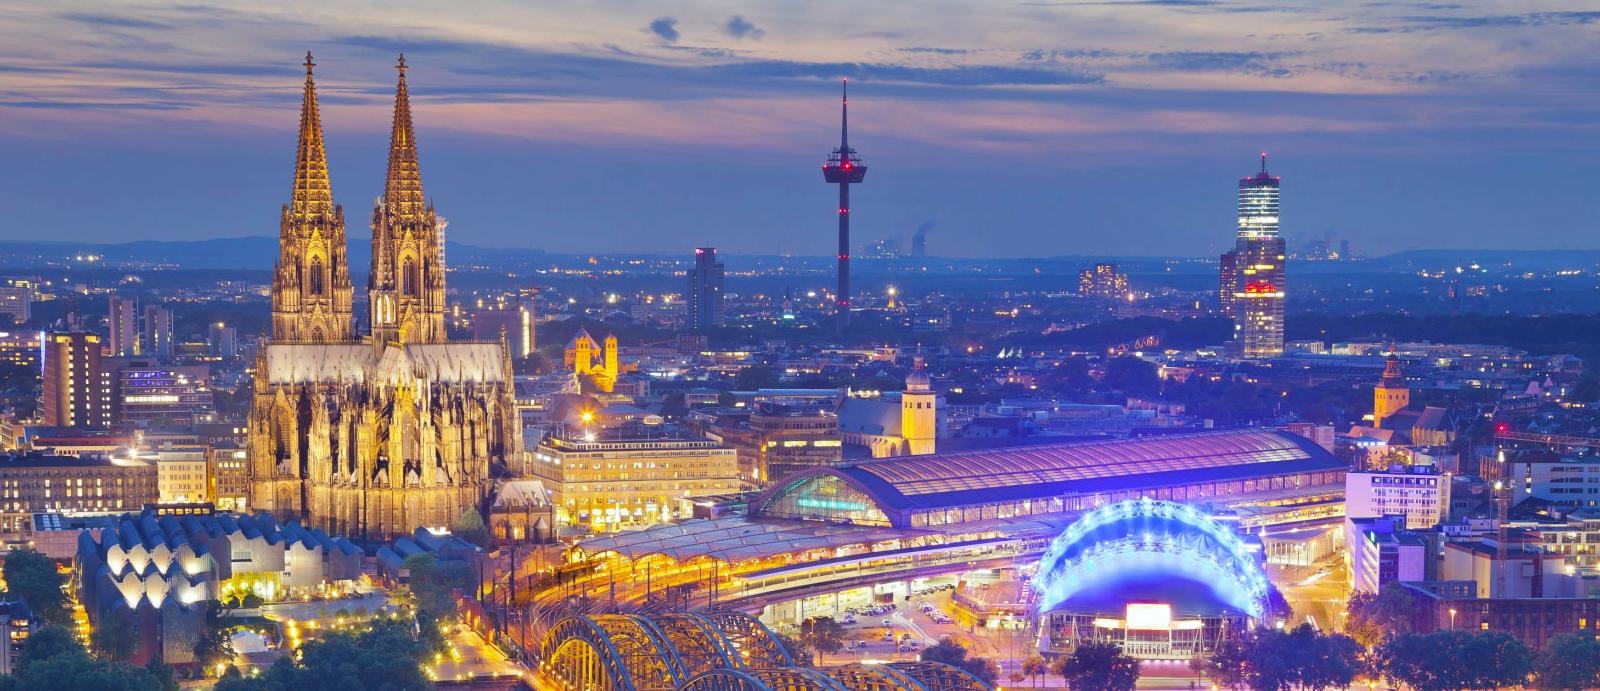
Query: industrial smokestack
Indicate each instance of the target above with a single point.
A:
(919, 242)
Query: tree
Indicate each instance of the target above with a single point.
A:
(1268, 660)
(1569, 661)
(755, 377)
(1097, 666)
(1132, 376)
(33, 577)
(114, 639)
(385, 657)
(433, 583)
(822, 634)
(797, 650)
(469, 526)
(52, 660)
(949, 652)
(215, 645)
(1035, 666)
(46, 643)
(1372, 616)
(1450, 660)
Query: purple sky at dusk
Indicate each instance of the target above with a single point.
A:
(1113, 127)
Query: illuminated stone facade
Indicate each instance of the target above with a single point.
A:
(372, 437)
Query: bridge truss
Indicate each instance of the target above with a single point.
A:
(712, 651)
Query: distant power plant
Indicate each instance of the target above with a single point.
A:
(919, 242)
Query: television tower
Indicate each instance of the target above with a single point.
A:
(843, 169)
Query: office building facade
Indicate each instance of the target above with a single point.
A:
(1253, 273)
(705, 290)
(122, 326)
(1419, 493)
(621, 482)
(77, 387)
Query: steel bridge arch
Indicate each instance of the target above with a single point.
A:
(612, 651)
(626, 652)
(757, 644)
(907, 676)
(768, 679)
(893, 676)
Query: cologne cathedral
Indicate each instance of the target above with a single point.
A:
(372, 436)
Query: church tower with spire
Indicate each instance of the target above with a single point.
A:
(311, 280)
(1391, 395)
(406, 286)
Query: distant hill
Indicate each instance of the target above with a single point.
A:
(249, 252)
(257, 252)
(1493, 259)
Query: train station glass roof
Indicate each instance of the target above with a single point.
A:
(895, 486)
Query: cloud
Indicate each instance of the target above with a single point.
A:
(666, 28)
(741, 28)
(1131, 3)
(1530, 19)
(1413, 23)
(963, 75)
(935, 51)
(109, 20)
(1244, 62)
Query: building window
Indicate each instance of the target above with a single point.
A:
(317, 285)
(409, 278)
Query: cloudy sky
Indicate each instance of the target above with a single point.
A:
(1019, 128)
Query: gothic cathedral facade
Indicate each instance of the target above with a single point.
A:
(372, 437)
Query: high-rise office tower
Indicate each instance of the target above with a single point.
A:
(224, 340)
(122, 327)
(1257, 266)
(77, 388)
(513, 321)
(705, 290)
(1228, 282)
(157, 334)
(1103, 281)
(16, 298)
(844, 168)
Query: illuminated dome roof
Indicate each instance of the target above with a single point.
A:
(1144, 550)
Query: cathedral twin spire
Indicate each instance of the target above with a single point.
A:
(311, 294)
(312, 196)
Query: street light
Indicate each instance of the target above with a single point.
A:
(1452, 618)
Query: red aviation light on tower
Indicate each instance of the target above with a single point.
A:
(843, 165)
(844, 168)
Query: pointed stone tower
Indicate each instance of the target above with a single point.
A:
(1391, 395)
(311, 280)
(406, 288)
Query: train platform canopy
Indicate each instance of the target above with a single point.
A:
(734, 539)
(1023, 482)
(1020, 493)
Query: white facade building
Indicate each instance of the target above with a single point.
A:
(1419, 493)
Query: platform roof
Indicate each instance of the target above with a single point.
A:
(968, 478)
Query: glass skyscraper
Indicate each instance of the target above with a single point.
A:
(705, 291)
(1254, 271)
